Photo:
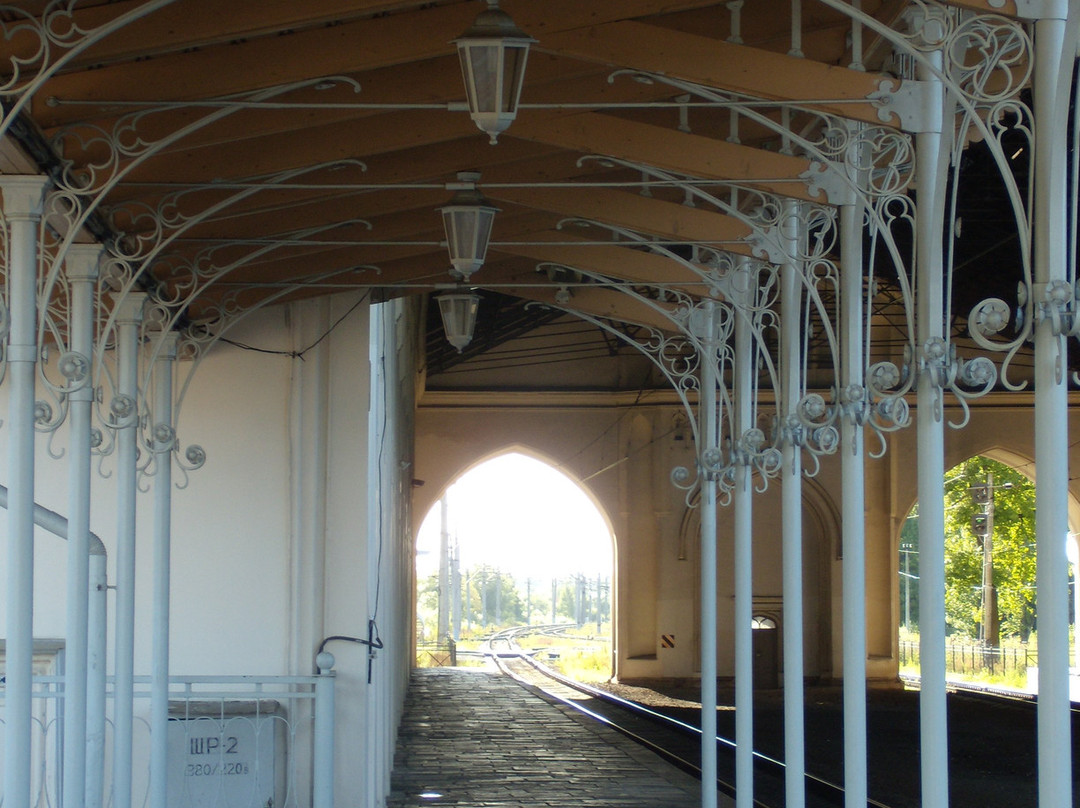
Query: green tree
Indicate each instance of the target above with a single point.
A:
(427, 607)
(1013, 548)
(493, 598)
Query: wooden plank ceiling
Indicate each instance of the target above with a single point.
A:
(358, 181)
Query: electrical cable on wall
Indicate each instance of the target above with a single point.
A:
(373, 642)
(298, 354)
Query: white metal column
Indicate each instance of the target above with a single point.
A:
(82, 272)
(22, 210)
(930, 164)
(707, 435)
(125, 408)
(163, 437)
(742, 499)
(1051, 102)
(791, 511)
(852, 510)
(96, 662)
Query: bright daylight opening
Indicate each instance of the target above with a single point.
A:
(990, 609)
(514, 542)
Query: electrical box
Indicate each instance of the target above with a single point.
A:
(228, 753)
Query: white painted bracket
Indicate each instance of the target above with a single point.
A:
(765, 244)
(828, 179)
(917, 104)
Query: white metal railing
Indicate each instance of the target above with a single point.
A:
(233, 742)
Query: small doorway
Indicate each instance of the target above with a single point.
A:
(766, 648)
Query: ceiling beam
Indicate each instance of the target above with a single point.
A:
(722, 66)
(613, 261)
(667, 149)
(200, 23)
(609, 304)
(304, 148)
(635, 212)
(189, 71)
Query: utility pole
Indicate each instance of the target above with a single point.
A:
(555, 597)
(907, 586)
(992, 633)
(528, 601)
(484, 599)
(443, 627)
(982, 524)
(599, 616)
(468, 601)
(579, 600)
(455, 586)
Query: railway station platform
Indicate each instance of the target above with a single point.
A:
(470, 737)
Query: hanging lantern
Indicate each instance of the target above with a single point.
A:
(458, 311)
(468, 220)
(493, 53)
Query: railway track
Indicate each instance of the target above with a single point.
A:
(977, 692)
(675, 741)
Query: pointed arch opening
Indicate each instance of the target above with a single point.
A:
(990, 563)
(514, 541)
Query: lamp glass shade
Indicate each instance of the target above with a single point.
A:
(458, 311)
(468, 231)
(493, 54)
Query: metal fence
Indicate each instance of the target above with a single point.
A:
(436, 655)
(233, 742)
(972, 660)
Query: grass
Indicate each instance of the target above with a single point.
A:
(1010, 677)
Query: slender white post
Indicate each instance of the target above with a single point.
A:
(1051, 417)
(930, 441)
(707, 433)
(743, 538)
(159, 672)
(96, 662)
(95, 708)
(323, 754)
(82, 272)
(22, 211)
(125, 408)
(791, 513)
(853, 486)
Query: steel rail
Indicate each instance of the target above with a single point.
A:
(975, 691)
(826, 791)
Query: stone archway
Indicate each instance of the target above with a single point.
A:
(821, 526)
(978, 623)
(514, 514)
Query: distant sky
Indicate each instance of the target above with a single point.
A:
(522, 516)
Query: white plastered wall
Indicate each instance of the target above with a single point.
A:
(242, 530)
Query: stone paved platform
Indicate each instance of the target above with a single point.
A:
(473, 739)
